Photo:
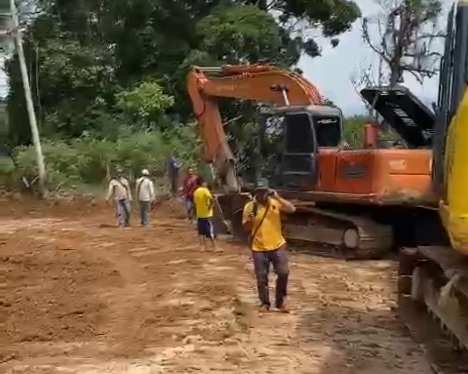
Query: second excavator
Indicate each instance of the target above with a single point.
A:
(358, 202)
(435, 275)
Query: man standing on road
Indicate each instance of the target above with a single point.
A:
(189, 184)
(262, 219)
(204, 210)
(145, 194)
(119, 190)
(173, 171)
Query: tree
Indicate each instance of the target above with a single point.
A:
(406, 31)
(298, 18)
(145, 102)
(83, 53)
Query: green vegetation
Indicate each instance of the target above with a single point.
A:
(108, 78)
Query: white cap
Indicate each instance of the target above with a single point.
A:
(145, 172)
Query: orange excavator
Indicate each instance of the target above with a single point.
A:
(359, 202)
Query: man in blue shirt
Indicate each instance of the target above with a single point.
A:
(174, 167)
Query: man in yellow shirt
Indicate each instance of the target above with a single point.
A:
(262, 219)
(203, 200)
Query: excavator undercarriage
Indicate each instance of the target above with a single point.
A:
(338, 234)
(436, 278)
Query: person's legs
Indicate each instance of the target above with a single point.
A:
(145, 212)
(120, 213)
(202, 242)
(142, 212)
(262, 267)
(192, 208)
(174, 183)
(201, 230)
(189, 207)
(279, 259)
(127, 208)
(209, 232)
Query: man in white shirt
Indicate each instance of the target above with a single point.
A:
(119, 191)
(145, 195)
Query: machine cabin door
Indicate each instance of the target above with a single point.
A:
(300, 153)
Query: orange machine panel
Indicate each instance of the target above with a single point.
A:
(401, 174)
(354, 172)
(326, 169)
(378, 175)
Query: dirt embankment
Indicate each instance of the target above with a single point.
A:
(80, 296)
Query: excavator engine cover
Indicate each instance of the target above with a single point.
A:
(404, 112)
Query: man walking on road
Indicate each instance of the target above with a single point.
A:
(204, 210)
(145, 194)
(262, 219)
(173, 171)
(189, 184)
(119, 191)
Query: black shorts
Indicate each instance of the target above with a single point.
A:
(205, 227)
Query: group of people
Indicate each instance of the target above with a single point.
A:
(120, 191)
(261, 220)
(198, 198)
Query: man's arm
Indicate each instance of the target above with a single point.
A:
(129, 190)
(285, 205)
(247, 217)
(110, 190)
(151, 190)
(209, 200)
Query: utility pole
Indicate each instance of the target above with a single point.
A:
(29, 101)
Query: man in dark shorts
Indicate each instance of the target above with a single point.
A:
(204, 202)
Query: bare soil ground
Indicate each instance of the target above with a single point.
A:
(80, 296)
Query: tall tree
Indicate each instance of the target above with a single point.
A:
(83, 53)
(402, 35)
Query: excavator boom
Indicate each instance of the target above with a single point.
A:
(258, 82)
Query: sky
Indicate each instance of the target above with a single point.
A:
(332, 72)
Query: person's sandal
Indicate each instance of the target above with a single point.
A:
(283, 309)
(264, 308)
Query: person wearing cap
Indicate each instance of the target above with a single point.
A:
(145, 194)
(262, 220)
(204, 203)
(119, 191)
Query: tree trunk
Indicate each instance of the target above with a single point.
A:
(395, 75)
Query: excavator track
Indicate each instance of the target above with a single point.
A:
(436, 279)
(340, 235)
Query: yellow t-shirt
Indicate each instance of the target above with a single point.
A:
(203, 202)
(269, 235)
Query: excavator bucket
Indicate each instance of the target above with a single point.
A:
(228, 214)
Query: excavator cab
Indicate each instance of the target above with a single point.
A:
(289, 141)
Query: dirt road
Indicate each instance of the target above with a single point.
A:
(78, 296)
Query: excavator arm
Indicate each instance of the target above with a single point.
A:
(259, 82)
